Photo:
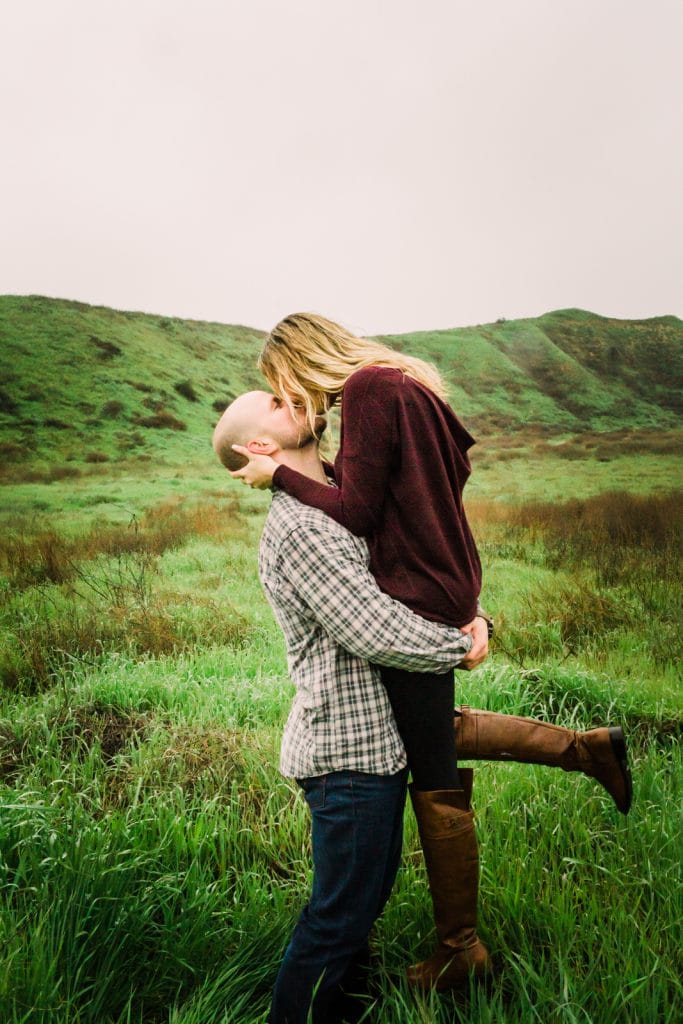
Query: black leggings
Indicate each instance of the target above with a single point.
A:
(422, 703)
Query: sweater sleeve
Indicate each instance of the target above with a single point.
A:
(367, 451)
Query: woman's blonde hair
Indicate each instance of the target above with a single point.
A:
(307, 359)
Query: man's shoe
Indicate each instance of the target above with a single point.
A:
(599, 753)
(446, 825)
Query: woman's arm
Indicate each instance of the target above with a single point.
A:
(368, 448)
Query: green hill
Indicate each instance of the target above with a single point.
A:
(86, 383)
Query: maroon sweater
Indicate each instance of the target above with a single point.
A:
(401, 468)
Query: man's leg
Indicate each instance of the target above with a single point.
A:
(356, 978)
(353, 827)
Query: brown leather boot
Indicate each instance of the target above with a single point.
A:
(446, 825)
(599, 753)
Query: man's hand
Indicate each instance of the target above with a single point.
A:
(478, 630)
(258, 472)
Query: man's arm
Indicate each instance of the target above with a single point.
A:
(329, 572)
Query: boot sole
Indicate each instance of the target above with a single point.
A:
(618, 741)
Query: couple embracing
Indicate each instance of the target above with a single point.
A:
(373, 574)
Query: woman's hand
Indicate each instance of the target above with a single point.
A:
(258, 472)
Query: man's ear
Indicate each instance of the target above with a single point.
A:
(262, 446)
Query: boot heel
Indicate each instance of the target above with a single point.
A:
(618, 741)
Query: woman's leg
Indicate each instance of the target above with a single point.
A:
(422, 703)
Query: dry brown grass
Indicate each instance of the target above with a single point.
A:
(20, 474)
(189, 758)
(35, 558)
(113, 729)
(12, 750)
(43, 555)
(606, 531)
(51, 635)
(618, 557)
(99, 592)
(577, 529)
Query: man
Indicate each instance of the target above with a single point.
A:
(340, 740)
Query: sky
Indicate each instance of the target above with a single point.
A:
(396, 165)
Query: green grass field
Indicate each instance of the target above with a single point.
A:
(152, 859)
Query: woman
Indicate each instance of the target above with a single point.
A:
(400, 472)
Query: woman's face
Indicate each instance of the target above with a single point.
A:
(292, 430)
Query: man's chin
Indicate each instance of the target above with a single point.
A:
(306, 438)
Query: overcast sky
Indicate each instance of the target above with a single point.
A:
(400, 165)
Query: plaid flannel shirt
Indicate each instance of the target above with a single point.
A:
(336, 623)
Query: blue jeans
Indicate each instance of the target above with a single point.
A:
(357, 831)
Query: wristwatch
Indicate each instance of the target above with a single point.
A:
(481, 614)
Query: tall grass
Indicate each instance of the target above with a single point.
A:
(153, 861)
(611, 590)
(73, 596)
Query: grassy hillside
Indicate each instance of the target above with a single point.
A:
(152, 859)
(85, 381)
(88, 384)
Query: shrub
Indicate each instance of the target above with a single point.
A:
(111, 409)
(106, 349)
(161, 420)
(97, 457)
(7, 403)
(114, 729)
(10, 451)
(186, 389)
(125, 442)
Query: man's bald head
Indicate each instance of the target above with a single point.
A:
(264, 424)
(240, 423)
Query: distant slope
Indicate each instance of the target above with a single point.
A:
(87, 383)
(80, 380)
(566, 371)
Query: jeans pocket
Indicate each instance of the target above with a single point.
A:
(314, 791)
